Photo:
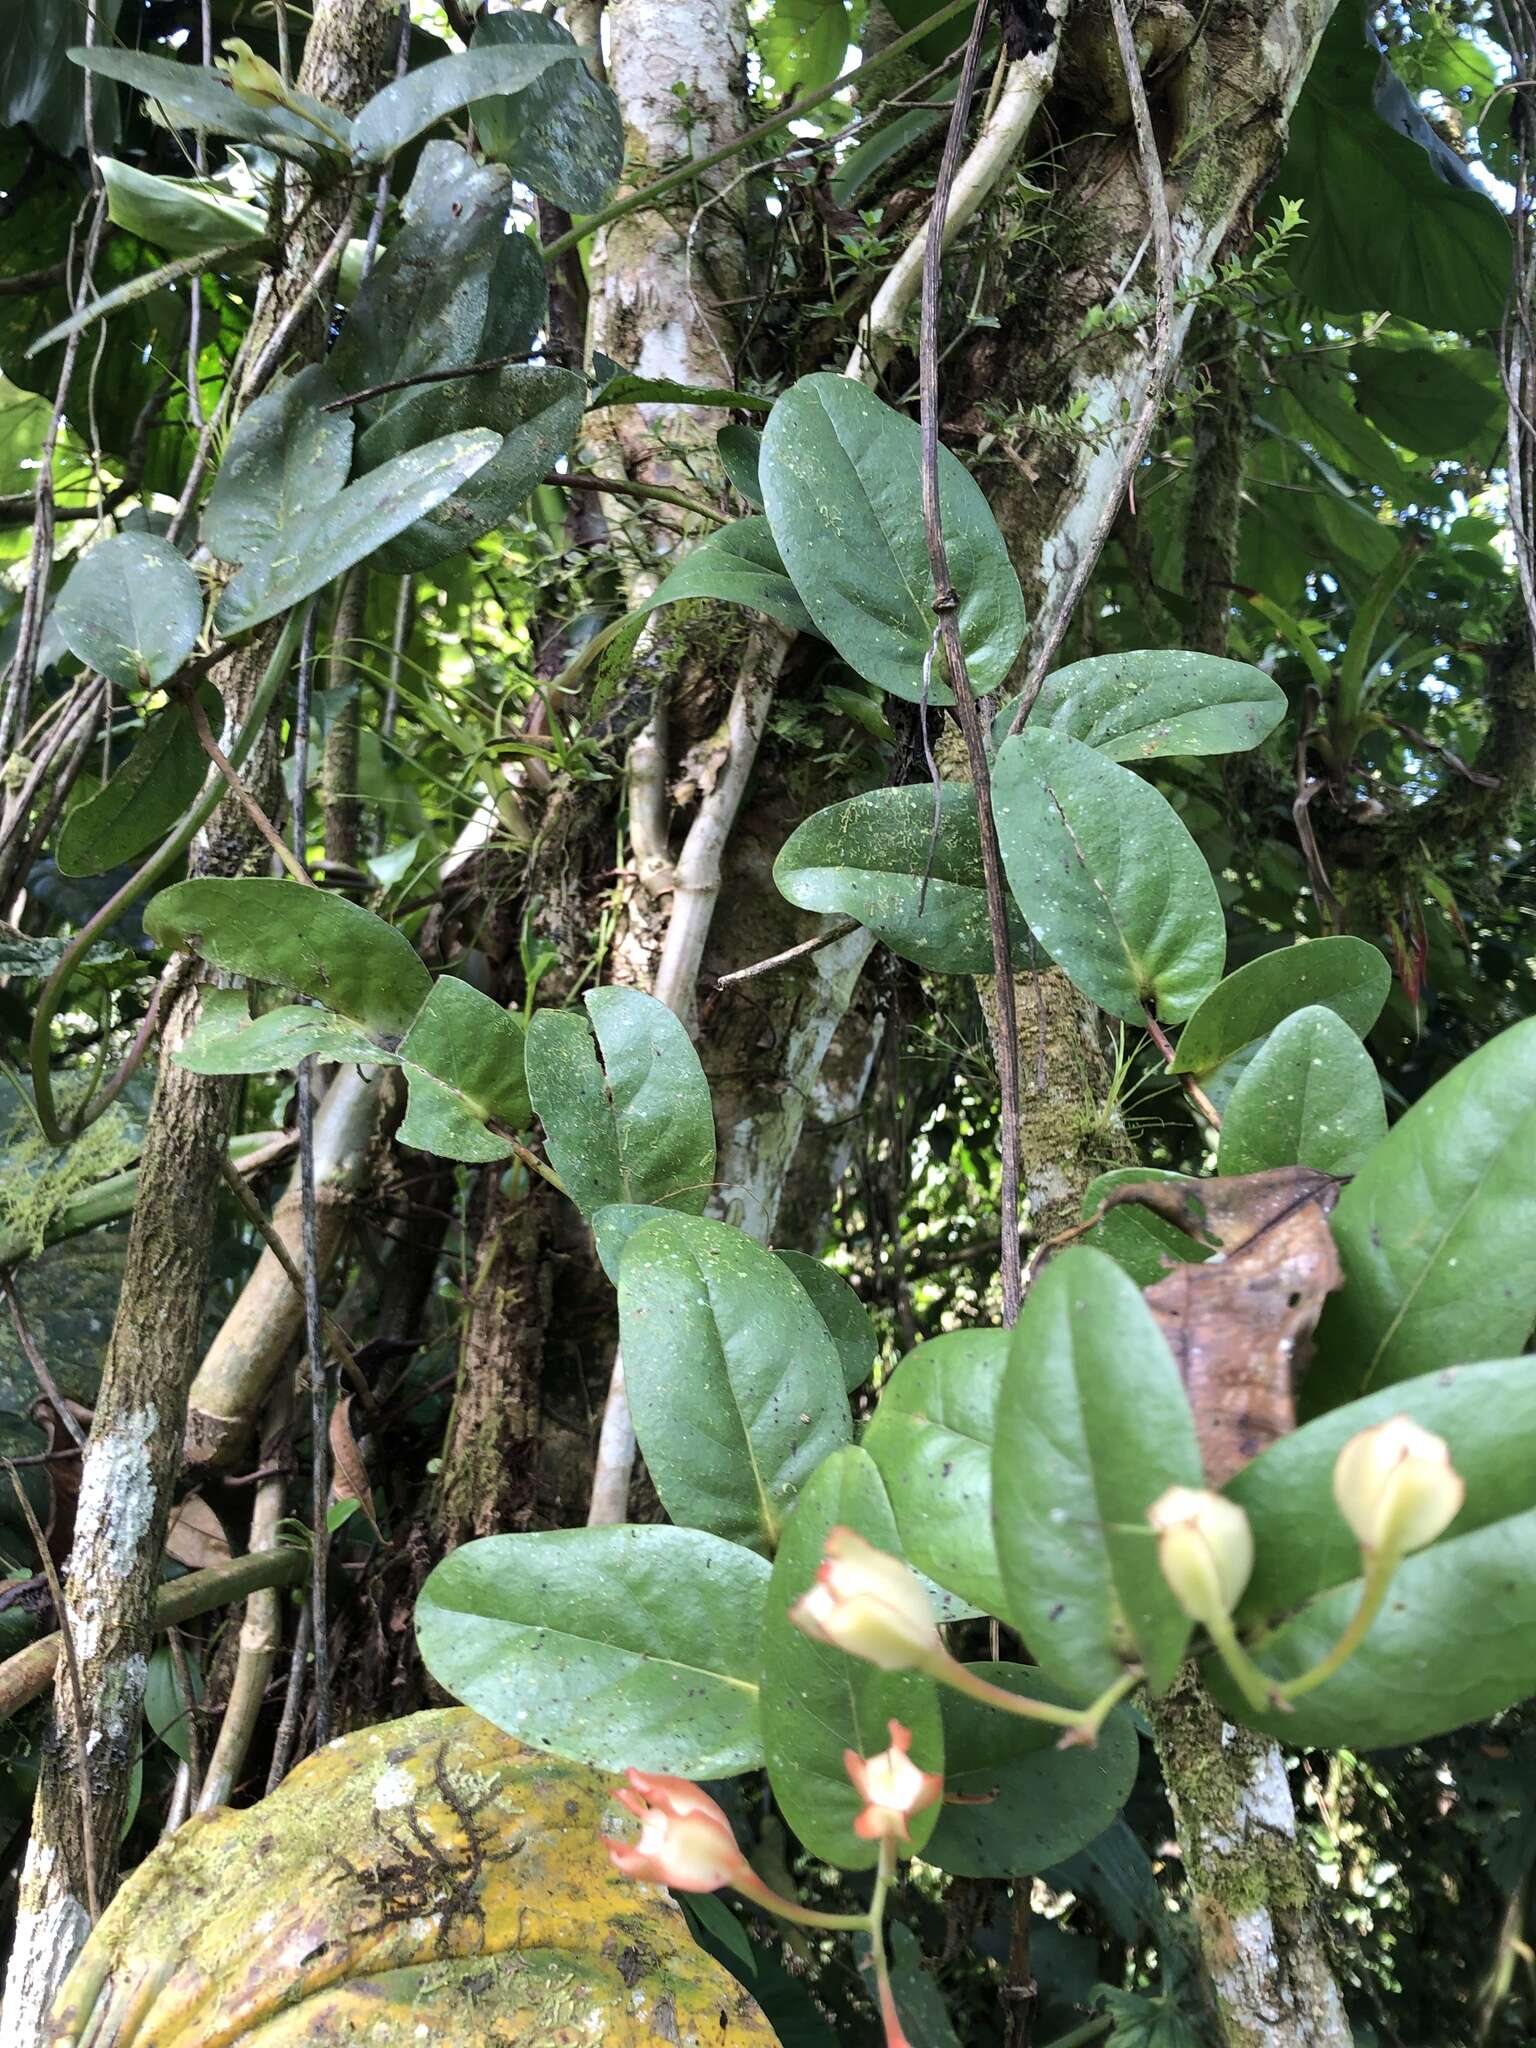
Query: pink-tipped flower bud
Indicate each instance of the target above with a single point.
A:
(1396, 1486)
(869, 1604)
(1205, 1549)
(891, 1786)
(685, 1840)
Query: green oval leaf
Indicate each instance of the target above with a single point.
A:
(932, 1438)
(1092, 1425)
(1455, 1642)
(140, 801)
(463, 1061)
(316, 548)
(131, 610)
(286, 459)
(227, 1040)
(1107, 875)
(735, 1387)
(421, 99)
(198, 96)
(535, 410)
(741, 454)
(1311, 1097)
(562, 135)
(741, 564)
(842, 484)
(611, 1646)
(817, 1702)
(1149, 703)
(1020, 1803)
(866, 858)
(847, 1320)
(1141, 1243)
(1486, 1414)
(1435, 1231)
(1344, 975)
(638, 1128)
(303, 939)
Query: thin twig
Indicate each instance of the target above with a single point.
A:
(840, 930)
(1154, 189)
(480, 369)
(36, 1360)
(293, 1699)
(341, 1344)
(967, 715)
(1187, 1082)
(314, 1339)
(72, 1667)
(628, 487)
(242, 795)
(792, 110)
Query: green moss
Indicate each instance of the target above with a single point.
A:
(38, 1180)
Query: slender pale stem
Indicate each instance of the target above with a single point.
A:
(895, 2035)
(1259, 1691)
(1083, 1723)
(752, 1887)
(1380, 1570)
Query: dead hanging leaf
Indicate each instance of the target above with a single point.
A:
(1240, 1325)
(196, 1536)
(349, 1475)
(62, 1472)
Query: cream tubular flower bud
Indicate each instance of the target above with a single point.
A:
(685, 1840)
(1396, 1487)
(869, 1604)
(1205, 1549)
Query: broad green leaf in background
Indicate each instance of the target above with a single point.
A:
(143, 798)
(842, 484)
(741, 564)
(612, 1646)
(1485, 1412)
(562, 135)
(804, 42)
(463, 1060)
(1436, 401)
(1141, 1243)
(1455, 1642)
(925, 2020)
(1310, 1097)
(179, 216)
(1092, 1426)
(535, 410)
(40, 88)
(164, 1707)
(317, 547)
(131, 610)
(638, 1127)
(304, 939)
(932, 1438)
(1385, 232)
(627, 387)
(866, 858)
(741, 453)
(197, 96)
(422, 98)
(287, 458)
(1021, 1803)
(1344, 975)
(1435, 1231)
(453, 287)
(816, 1701)
(1149, 703)
(847, 1320)
(227, 1040)
(1107, 875)
(735, 1385)
(614, 1226)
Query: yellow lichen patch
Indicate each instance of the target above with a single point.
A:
(430, 1880)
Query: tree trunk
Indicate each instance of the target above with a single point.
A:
(136, 1438)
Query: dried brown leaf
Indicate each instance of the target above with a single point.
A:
(349, 1474)
(196, 1536)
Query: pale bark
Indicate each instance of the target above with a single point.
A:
(135, 1448)
(245, 1358)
